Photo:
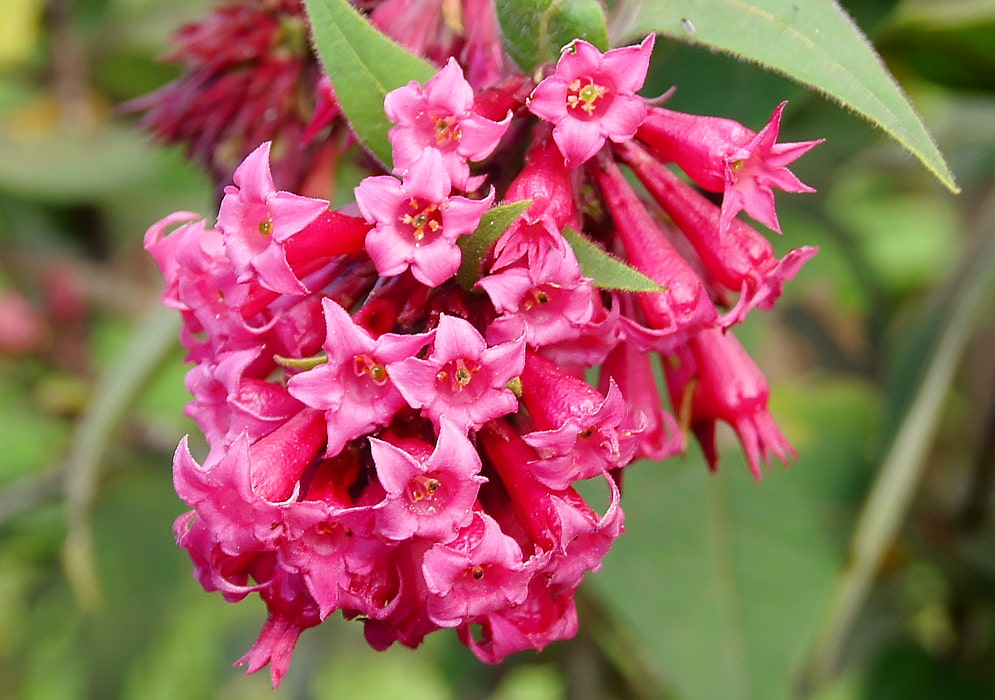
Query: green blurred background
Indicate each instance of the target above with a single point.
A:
(879, 353)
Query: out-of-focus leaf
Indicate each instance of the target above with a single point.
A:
(909, 240)
(531, 683)
(720, 575)
(534, 31)
(150, 342)
(364, 66)
(57, 165)
(950, 324)
(948, 42)
(397, 674)
(32, 441)
(606, 271)
(814, 42)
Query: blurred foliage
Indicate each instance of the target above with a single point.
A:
(721, 588)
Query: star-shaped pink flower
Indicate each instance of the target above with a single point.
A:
(256, 220)
(722, 155)
(591, 97)
(439, 116)
(416, 222)
(353, 387)
(430, 498)
(462, 378)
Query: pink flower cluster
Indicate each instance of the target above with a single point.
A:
(390, 441)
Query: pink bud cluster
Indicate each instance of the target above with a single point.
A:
(393, 440)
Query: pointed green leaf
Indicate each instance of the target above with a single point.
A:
(534, 31)
(474, 247)
(364, 66)
(814, 42)
(606, 271)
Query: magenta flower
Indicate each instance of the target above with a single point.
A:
(722, 155)
(740, 259)
(632, 371)
(240, 494)
(417, 222)
(548, 301)
(462, 378)
(477, 573)
(591, 97)
(433, 497)
(727, 385)
(353, 387)
(581, 433)
(439, 116)
(256, 220)
(684, 308)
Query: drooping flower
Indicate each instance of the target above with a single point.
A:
(725, 384)
(417, 222)
(440, 116)
(580, 433)
(591, 97)
(722, 155)
(740, 260)
(683, 308)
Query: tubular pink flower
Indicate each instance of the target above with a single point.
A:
(240, 496)
(548, 183)
(727, 385)
(557, 521)
(581, 433)
(685, 308)
(353, 387)
(462, 378)
(256, 221)
(631, 369)
(431, 498)
(543, 617)
(439, 116)
(417, 222)
(291, 611)
(741, 260)
(229, 397)
(722, 155)
(591, 97)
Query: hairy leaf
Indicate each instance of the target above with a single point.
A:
(814, 42)
(607, 271)
(364, 66)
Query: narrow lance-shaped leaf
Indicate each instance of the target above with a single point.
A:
(364, 66)
(814, 42)
(607, 272)
(534, 31)
(474, 247)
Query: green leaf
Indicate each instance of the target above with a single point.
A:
(474, 247)
(364, 66)
(534, 31)
(814, 42)
(606, 271)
